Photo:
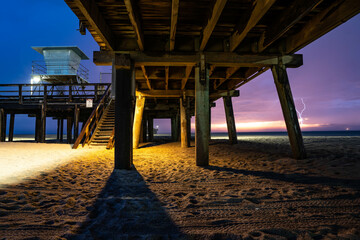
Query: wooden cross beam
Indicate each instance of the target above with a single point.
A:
(215, 15)
(286, 20)
(92, 14)
(146, 76)
(181, 93)
(166, 77)
(218, 59)
(260, 7)
(174, 19)
(337, 13)
(188, 70)
(135, 21)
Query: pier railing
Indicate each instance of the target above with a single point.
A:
(37, 94)
(90, 125)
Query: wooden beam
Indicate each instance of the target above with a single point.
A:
(138, 116)
(209, 28)
(287, 19)
(92, 14)
(260, 7)
(218, 59)
(166, 77)
(202, 108)
(188, 70)
(146, 76)
(229, 73)
(135, 21)
(230, 120)
(174, 19)
(289, 111)
(2, 125)
(185, 138)
(11, 127)
(211, 70)
(123, 117)
(69, 124)
(337, 13)
(188, 93)
(150, 129)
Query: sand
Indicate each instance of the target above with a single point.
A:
(252, 190)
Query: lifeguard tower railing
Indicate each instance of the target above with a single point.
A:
(57, 70)
(33, 94)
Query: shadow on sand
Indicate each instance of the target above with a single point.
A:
(292, 177)
(127, 209)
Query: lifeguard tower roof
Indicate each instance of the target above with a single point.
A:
(77, 50)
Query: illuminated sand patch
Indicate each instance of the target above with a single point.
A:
(19, 161)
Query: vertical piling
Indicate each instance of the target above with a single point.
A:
(230, 120)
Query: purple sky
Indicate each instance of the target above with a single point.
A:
(328, 82)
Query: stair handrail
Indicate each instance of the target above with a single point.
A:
(111, 141)
(95, 115)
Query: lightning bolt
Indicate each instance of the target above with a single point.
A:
(301, 120)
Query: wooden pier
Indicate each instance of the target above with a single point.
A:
(58, 101)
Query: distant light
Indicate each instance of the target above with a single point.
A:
(35, 79)
(157, 126)
(347, 129)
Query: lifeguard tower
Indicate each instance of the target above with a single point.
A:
(61, 65)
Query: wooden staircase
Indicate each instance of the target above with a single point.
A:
(105, 127)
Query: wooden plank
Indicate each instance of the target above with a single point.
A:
(185, 138)
(230, 120)
(11, 127)
(174, 19)
(337, 13)
(92, 14)
(188, 70)
(146, 77)
(166, 77)
(135, 21)
(209, 28)
(289, 111)
(260, 7)
(123, 118)
(202, 115)
(139, 110)
(287, 19)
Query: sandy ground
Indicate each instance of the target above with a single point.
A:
(252, 190)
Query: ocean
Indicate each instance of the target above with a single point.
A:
(215, 135)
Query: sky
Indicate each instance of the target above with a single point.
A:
(328, 83)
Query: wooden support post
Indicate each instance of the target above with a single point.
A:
(2, 125)
(61, 129)
(209, 122)
(185, 138)
(11, 127)
(76, 122)
(144, 128)
(124, 79)
(202, 107)
(289, 111)
(37, 127)
(20, 94)
(151, 129)
(42, 129)
(58, 129)
(69, 123)
(230, 120)
(139, 110)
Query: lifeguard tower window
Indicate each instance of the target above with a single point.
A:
(61, 65)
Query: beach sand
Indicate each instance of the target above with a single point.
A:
(251, 190)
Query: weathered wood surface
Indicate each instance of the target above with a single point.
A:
(289, 111)
(202, 115)
(138, 117)
(230, 120)
(2, 125)
(173, 25)
(11, 127)
(185, 138)
(123, 119)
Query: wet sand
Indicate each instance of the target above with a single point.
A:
(252, 190)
